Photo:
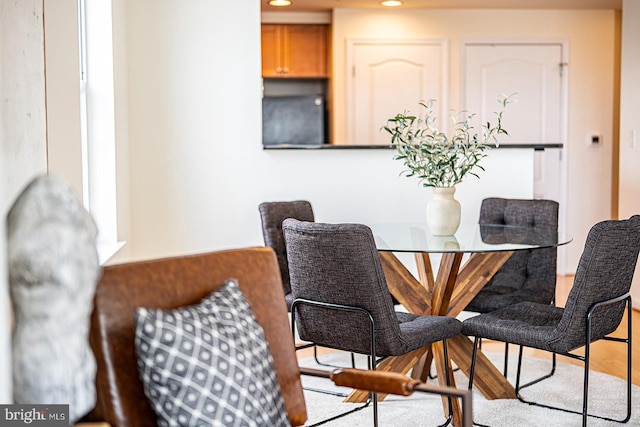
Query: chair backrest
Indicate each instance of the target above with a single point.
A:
(174, 282)
(605, 271)
(519, 212)
(339, 264)
(532, 271)
(272, 214)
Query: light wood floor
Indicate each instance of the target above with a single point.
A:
(606, 356)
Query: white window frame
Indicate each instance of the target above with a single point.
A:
(97, 111)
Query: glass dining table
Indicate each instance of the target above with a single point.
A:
(447, 290)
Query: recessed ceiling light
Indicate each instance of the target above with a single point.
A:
(279, 3)
(391, 3)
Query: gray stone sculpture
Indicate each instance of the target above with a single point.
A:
(53, 272)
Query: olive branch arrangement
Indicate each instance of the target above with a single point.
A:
(432, 157)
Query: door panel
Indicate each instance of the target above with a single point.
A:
(534, 73)
(531, 71)
(389, 77)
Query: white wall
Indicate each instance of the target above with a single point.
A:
(22, 134)
(5, 309)
(176, 108)
(191, 128)
(629, 203)
(590, 35)
(24, 148)
(63, 91)
(198, 170)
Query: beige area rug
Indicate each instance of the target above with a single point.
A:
(607, 396)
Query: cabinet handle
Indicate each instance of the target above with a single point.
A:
(279, 70)
(286, 70)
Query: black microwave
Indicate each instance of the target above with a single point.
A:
(294, 120)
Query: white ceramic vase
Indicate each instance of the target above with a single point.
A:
(443, 212)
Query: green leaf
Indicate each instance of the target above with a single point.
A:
(434, 158)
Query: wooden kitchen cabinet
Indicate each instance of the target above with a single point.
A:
(294, 51)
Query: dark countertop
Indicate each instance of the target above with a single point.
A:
(387, 147)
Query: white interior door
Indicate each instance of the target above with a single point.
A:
(534, 72)
(389, 77)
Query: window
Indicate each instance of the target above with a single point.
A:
(97, 113)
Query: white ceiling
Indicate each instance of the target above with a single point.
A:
(327, 5)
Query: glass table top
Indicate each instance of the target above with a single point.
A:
(470, 238)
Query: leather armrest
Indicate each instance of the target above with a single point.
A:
(393, 383)
(379, 382)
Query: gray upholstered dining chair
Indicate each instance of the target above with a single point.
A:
(341, 298)
(528, 275)
(594, 308)
(272, 214)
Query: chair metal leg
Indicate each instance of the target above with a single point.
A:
(585, 384)
(506, 359)
(315, 356)
(506, 363)
(585, 360)
(474, 354)
(373, 397)
(585, 392)
(335, 417)
(319, 390)
(629, 358)
(371, 359)
(476, 346)
(448, 381)
(342, 414)
(316, 390)
(544, 377)
(435, 377)
(373, 364)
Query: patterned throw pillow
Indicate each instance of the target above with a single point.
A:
(208, 364)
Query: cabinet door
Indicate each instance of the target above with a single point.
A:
(305, 51)
(272, 50)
